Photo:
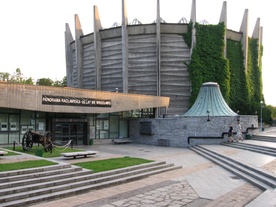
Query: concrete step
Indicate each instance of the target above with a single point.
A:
(32, 170)
(43, 182)
(254, 148)
(77, 178)
(71, 186)
(261, 171)
(269, 196)
(263, 138)
(258, 177)
(55, 172)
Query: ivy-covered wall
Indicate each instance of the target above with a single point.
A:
(254, 73)
(207, 62)
(241, 89)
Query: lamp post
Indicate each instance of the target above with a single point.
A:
(261, 119)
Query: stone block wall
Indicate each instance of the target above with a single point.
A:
(187, 131)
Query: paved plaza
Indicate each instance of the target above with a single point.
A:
(199, 182)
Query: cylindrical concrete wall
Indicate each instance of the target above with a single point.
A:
(142, 65)
(143, 58)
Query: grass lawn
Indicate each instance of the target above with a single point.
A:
(112, 164)
(96, 166)
(39, 151)
(25, 165)
(9, 152)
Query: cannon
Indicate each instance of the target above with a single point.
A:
(30, 137)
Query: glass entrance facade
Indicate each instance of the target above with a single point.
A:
(79, 128)
(111, 126)
(9, 127)
(64, 132)
(14, 123)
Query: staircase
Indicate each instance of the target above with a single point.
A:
(263, 179)
(29, 186)
(263, 138)
(254, 148)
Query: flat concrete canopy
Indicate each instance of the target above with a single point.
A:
(73, 100)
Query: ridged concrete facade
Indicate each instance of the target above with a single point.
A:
(141, 59)
(30, 97)
(143, 76)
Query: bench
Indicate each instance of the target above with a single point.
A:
(78, 154)
(3, 153)
(121, 141)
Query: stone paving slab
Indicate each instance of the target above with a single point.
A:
(209, 184)
(245, 156)
(267, 199)
(198, 183)
(240, 196)
(178, 194)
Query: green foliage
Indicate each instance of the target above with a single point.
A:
(241, 88)
(111, 164)
(49, 82)
(267, 114)
(96, 166)
(44, 82)
(35, 151)
(239, 91)
(10, 153)
(17, 77)
(208, 63)
(254, 72)
(272, 111)
(61, 83)
(29, 81)
(4, 76)
(246, 86)
(188, 36)
(25, 165)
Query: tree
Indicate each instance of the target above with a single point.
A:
(4, 76)
(29, 81)
(17, 77)
(61, 83)
(271, 113)
(44, 82)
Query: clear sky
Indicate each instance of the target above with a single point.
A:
(32, 31)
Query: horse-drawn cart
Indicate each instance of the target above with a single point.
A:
(30, 137)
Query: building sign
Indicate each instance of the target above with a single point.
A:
(74, 101)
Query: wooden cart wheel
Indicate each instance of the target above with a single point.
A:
(27, 141)
(49, 135)
(49, 142)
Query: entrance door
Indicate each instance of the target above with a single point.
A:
(81, 133)
(64, 132)
(73, 133)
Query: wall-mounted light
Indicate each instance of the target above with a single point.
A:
(208, 119)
